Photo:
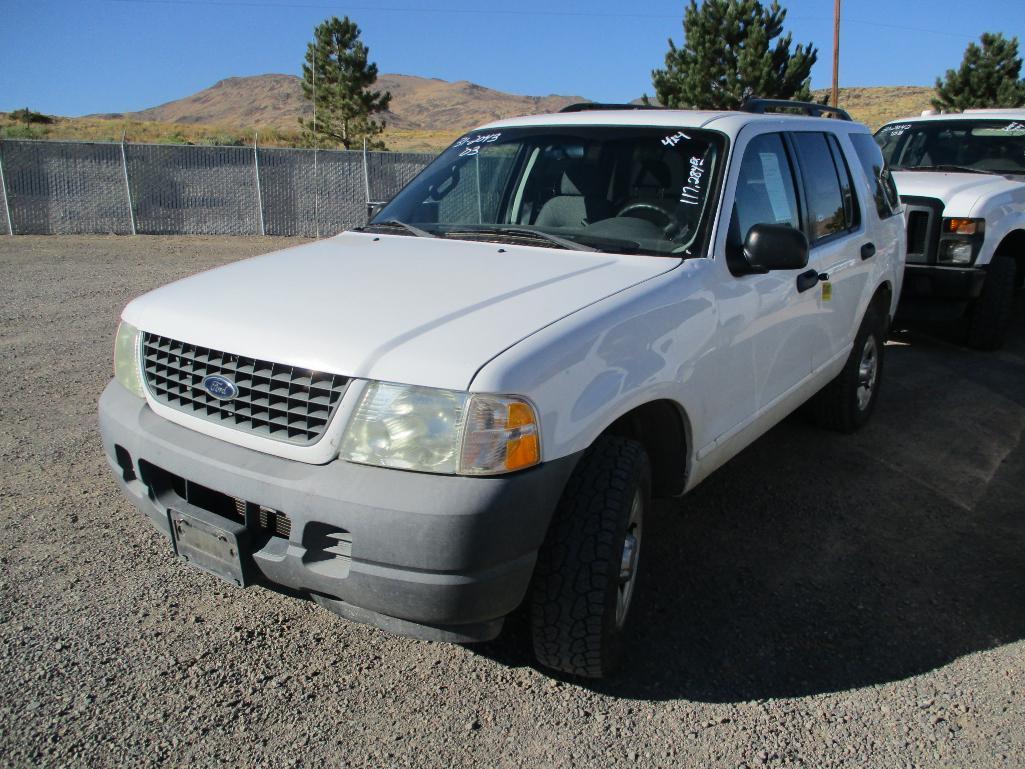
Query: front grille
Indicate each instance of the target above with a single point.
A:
(276, 401)
(918, 232)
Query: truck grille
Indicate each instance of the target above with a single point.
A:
(276, 401)
(923, 217)
(918, 232)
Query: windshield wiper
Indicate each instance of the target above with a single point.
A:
(570, 245)
(412, 229)
(951, 167)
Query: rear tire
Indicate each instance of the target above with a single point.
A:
(990, 315)
(587, 568)
(847, 403)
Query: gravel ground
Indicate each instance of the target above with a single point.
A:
(821, 601)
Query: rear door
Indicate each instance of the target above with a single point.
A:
(841, 252)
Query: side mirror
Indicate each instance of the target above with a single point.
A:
(374, 207)
(775, 247)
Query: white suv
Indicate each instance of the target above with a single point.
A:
(962, 180)
(470, 403)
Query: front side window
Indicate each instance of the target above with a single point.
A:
(884, 191)
(827, 210)
(640, 190)
(970, 146)
(765, 194)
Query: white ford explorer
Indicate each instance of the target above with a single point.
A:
(962, 180)
(469, 404)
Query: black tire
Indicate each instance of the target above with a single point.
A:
(847, 403)
(576, 589)
(990, 315)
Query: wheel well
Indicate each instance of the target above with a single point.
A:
(883, 300)
(1013, 245)
(659, 426)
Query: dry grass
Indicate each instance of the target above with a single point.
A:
(157, 132)
(144, 131)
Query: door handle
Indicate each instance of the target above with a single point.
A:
(868, 251)
(807, 280)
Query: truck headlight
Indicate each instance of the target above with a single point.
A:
(956, 252)
(441, 431)
(126, 359)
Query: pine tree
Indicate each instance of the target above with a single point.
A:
(988, 77)
(338, 78)
(726, 57)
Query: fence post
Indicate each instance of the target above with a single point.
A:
(3, 191)
(316, 188)
(366, 175)
(256, 168)
(128, 190)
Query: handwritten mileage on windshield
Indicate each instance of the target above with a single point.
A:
(471, 144)
(691, 194)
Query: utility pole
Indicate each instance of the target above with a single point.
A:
(836, 53)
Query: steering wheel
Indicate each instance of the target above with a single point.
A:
(671, 223)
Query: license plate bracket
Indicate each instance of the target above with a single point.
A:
(208, 546)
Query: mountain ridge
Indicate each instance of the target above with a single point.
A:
(418, 104)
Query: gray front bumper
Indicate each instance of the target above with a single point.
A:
(437, 557)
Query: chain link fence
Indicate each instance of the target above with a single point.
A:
(57, 188)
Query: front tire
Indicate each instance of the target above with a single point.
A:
(990, 315)
(586, 571)
(847, 403)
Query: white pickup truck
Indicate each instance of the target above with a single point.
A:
(470, 403)
(962, 180)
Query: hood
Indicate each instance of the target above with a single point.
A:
(960, 192)
(387, 307)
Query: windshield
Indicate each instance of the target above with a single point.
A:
(983, 146)
(619, 189)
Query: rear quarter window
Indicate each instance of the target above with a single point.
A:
(884, 191)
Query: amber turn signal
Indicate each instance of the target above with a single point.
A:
(957, 226)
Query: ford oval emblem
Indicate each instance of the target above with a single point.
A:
(222, 388)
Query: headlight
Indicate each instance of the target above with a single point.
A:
(957, 252)
(126, 359)
(441, 431)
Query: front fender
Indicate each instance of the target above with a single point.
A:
(590, 368)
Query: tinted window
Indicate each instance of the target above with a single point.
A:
(826, 212)
(850, 200)
(765, 188)
(883, 189)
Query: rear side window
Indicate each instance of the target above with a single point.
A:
(828, 214)
(884, 191)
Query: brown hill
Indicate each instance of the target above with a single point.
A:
(875, 106)
(418, 104)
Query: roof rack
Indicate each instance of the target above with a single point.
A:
(588, 106)
(758, 106)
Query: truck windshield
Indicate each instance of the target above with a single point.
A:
(973, 146)
(621, 189)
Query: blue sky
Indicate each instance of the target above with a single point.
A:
(74, 57)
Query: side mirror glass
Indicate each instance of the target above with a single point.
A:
(775, 247)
